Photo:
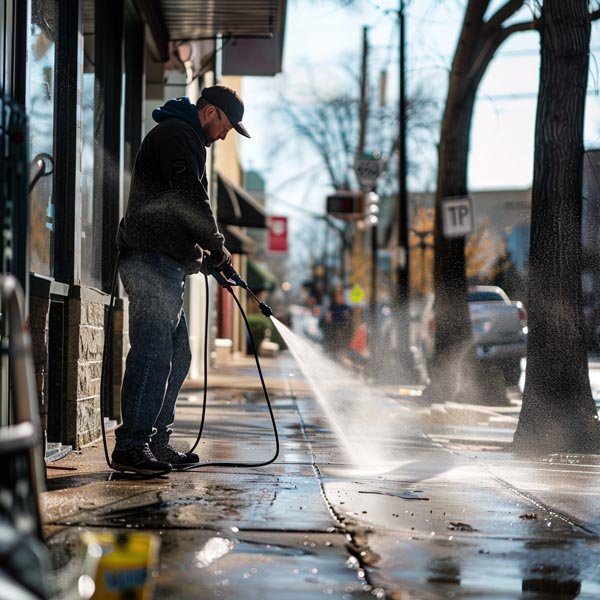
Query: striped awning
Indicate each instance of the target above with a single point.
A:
(251, 32)
(204, 19)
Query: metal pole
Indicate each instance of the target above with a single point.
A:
(363, 92)
(402, 194)
(373, 304)
(406, 358)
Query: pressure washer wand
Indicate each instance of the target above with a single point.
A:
(229, 277)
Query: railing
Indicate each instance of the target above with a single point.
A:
(21, 464)
(14, 181)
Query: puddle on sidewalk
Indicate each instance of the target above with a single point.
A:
(259, 565)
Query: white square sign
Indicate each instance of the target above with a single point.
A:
(457, 216)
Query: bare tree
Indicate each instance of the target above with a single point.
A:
(331, 123)
(479, 39)
(330, 126)
(558, 411)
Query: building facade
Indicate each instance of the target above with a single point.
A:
(87, 74)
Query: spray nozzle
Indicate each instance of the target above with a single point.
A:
(229, 277)
(265, 309)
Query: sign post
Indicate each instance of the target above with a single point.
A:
(368, 169)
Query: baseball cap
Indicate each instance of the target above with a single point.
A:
(229, 102)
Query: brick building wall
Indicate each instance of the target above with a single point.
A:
(86, 331)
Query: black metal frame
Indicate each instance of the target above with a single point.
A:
(19, 51)
(134, 88)
(57, 375)
(65, 139)
(107, 135)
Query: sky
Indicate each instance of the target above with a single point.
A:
(322, 38)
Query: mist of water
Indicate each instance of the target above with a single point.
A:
(365, 421)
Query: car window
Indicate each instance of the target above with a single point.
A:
(485, 297)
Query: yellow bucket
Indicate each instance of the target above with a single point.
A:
(126, 564)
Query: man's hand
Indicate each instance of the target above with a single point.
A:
(225, 261)
(204, 263)
(199, 263)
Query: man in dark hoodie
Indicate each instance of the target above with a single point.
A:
(169, 231)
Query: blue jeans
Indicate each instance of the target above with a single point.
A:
(159, 357)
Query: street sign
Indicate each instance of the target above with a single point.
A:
(457, 216)
(278, 234)
(357, 294)
(368, 169)
(346, 204)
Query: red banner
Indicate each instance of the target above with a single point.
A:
(278, 234)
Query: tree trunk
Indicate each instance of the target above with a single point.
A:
(558, 413)
(455, 375)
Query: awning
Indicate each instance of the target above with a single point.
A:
(259, 278)
(235, 20)
(197, 19)
(236, 241)
(235, 206)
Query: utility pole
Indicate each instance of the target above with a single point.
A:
(357, 251)
(402, 273)
(364, 103)
(364, 111)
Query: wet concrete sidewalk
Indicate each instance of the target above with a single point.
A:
(452, 515)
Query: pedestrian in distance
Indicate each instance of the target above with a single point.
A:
(337, 325)
(169, 231)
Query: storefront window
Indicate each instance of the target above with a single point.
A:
(6, 43)
(91, 206)
(42, 58)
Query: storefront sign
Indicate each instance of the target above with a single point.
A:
(278, 234)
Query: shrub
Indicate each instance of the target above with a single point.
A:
(258, 325)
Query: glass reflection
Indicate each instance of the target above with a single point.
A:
(42, 58)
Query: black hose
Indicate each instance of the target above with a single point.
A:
(107, 354)
(205, 386)
(265, 392)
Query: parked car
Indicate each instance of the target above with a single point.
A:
(499, 329)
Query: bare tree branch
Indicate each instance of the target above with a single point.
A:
(533, 25)
(503, 13)
(493, 41)
(476, 9)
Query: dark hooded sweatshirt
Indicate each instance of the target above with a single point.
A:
(168, 209)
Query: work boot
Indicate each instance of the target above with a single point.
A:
(140, 460)
(178, 460)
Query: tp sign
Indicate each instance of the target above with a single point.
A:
(457, 216)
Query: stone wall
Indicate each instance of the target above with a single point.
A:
(84, 349)
(86, 339)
